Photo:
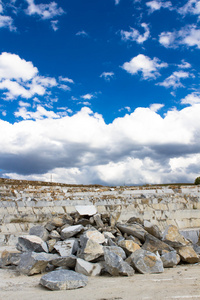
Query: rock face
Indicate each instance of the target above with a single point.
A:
(146, 262)
(63, 280)
(173, 237)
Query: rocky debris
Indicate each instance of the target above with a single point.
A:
(188, 254)
(87, 268)
(115, 265)
(63, 280)
(92, 244)
(173, 237)
(146, 262)
(40, 231)
(31, 243)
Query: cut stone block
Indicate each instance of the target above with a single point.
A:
(86, 210)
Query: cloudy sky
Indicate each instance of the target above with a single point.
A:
(103, 91)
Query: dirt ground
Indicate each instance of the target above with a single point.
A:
(182, 282)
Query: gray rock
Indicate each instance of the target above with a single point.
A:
(128, 246)
(10, 258)
(87, 268)
(133, 229)
(153, 229)
(31, 243)
(68, 261)
(146, 262)
(173, 237)
(115, 265)
(34, 263)
(191, 235)
(66, 247)
(117, 250)
(196, 248)
(90, 250)
(153, 244)
(70, 231)
(92, 234)
(39, 231)
(63, 280)
(170, 259)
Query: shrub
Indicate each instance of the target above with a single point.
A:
(197, 180)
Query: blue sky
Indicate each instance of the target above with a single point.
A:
(103, 91)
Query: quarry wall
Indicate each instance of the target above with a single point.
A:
(24, 203)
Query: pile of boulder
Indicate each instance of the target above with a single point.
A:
(68, 249)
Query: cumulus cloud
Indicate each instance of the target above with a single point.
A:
(107, 75)
(156, 106)
(157, 5)
(193, 98)
(184, 65)
(188, 35)
(174, 80)
(45, 11)
(87, 96)
(19, 77)
(144, 64)
(54, 25)
(134, 34)
(141, 147)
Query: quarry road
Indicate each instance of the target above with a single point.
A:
(182, 282)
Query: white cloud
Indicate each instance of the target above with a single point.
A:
(19, 77)
(134, 34)
(66, 79)
(107, 75)
(174, 80)
(39, 114)
(156, 106)
(117, 2)
(141, 147)
(45, 11)
(157, 5)
(54, 25)
(188, 35)
(87, 96)
(184, 65)
(144, 64)
(193, 98)
(191, 7)
(7, 22)
(82, 33)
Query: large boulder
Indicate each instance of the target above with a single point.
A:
(133, 229)
(153, 229)
(173, 237)
(146, 262)
(87, 268)
(10, 258)
(170, 259)
(115, 265)
(153, 244)
(188, 254)
(90, 250)
(31, 243)
(34, 263)
(63, 280)
(117, 250)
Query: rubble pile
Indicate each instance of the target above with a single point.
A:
(69, 249)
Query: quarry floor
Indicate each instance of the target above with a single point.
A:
(182, 282)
